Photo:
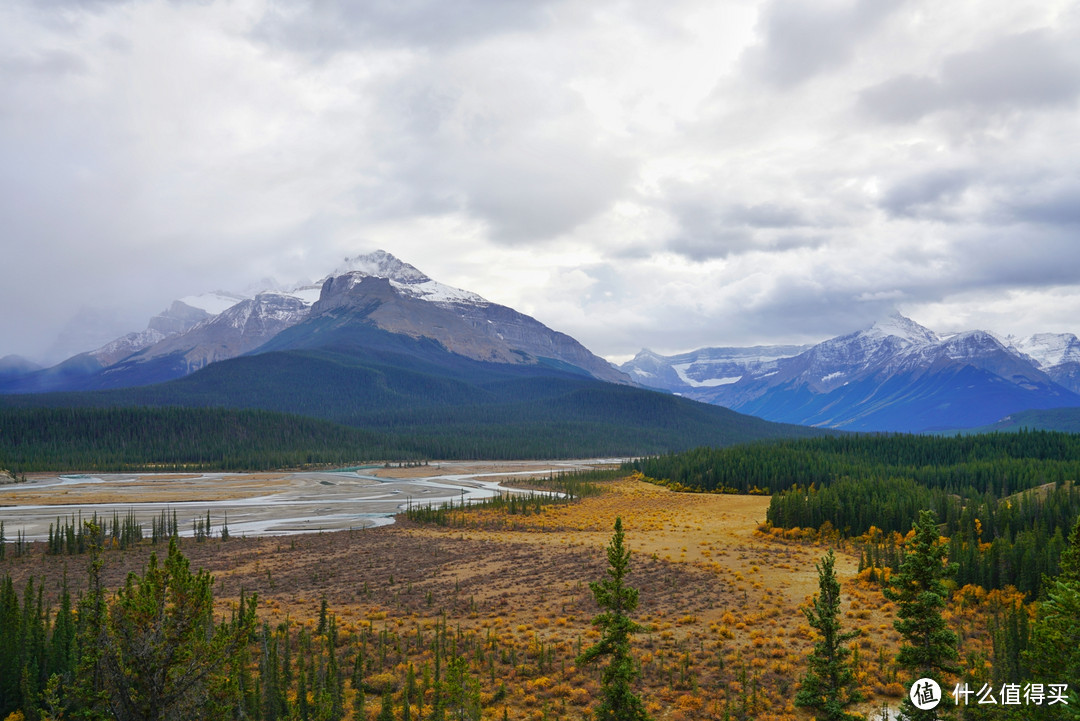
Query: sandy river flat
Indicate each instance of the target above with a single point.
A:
(262, 503)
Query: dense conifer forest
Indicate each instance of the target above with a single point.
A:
(118, 439)
(1006, 501)
(591, 421)
(411, 398)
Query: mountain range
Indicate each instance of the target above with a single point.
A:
(895, 375)
(199, 330)
(435, 370)
(377, 333)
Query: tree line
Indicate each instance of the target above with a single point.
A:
(120, 439)
(996, 463)
(1005, 500)
(588, 423)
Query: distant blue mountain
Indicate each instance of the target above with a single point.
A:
(894, 376)
(435, 371)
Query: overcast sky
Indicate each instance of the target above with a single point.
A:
(670, 175)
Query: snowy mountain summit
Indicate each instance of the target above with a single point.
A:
(405, 278)
(899, 326)
(1049, 349)
(893, 375)
(373, 290)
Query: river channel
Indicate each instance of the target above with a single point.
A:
(257, 504)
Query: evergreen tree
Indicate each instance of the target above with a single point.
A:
(829, 685)
(91, 638)
(1070, 557)
(1053, 653)
(619, 702)
(386, 709)
(273, 695)
(918, 589)
(160, 654)
(462, 691)
(359, 705)
(408, 694)
(335, 685)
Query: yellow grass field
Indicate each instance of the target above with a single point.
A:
(719, 598)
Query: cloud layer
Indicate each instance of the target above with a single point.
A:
(727, 173)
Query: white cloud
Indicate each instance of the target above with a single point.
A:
(634, 174)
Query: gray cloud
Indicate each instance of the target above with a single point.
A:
(51, 62)
(766, 215)
(1057, 205)
(928, 194)
(801, 40)
(461, 135)
(1015, 258)
(323, 27)
(1031, 69)
(712, 225)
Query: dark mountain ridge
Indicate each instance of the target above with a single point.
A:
(893, 376)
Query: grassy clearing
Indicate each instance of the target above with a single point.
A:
(509, 593)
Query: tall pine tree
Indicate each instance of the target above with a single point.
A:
(619, 702)
(829, 685)
(918, 589)
(1053, 653)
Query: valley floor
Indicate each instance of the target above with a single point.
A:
(719, 598)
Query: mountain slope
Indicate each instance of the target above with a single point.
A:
(1066, 420)
(434, 370)
(237, 330)
(1056, 354)
(896, 376)
(441, 404)
(200, 330)
(464, 325)
(697, 374)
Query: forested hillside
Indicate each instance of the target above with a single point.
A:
(117, 439)
(1006, 500)
(596, 419)
(410, 396)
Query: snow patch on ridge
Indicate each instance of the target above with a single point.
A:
(214, 303)
(680, 369)
(901, 327)
(405, 278)
(1049, 349)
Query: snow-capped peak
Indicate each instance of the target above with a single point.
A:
(1049, 349)
(902, 327)
(406, 278)
(381, 264)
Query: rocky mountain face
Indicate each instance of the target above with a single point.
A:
(699, 373)
(376, 288)
(178, 318)
(238, 330)
(1056, 354)
(894, 376)
(396, 297)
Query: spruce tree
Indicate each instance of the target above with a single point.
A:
(918, 589)
(158, 654)
(386, 709)
(829, 685)
(91, 638)
(619, 702)
(1053, 652)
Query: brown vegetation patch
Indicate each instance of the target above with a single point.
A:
(719, 599)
